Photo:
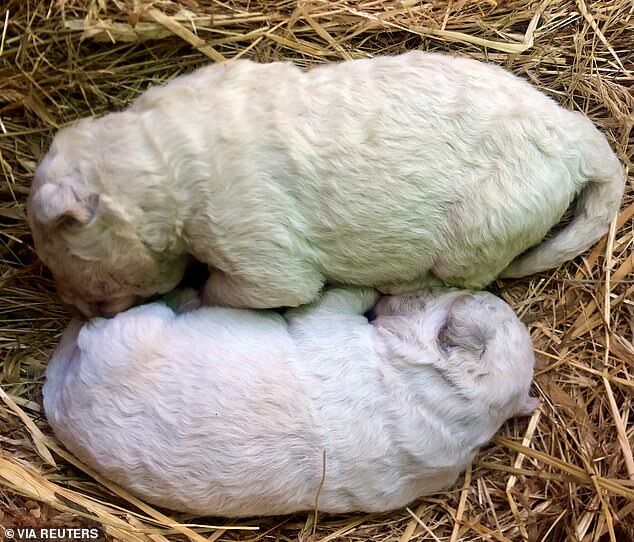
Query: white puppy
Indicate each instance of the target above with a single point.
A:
(228, 412)
(391, 172)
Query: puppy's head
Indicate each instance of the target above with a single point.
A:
(470, 344)
(96, 243)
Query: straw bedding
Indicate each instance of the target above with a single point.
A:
(567, 473)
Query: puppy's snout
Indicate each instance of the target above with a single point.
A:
(77, 307)
(112, 307)
(77, 314)
(107, 309)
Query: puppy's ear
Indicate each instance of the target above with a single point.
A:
(462, 331)
(54, 202)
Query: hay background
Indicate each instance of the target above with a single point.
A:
(61, 60)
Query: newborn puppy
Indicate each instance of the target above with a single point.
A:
(228, 412)
(394, 172)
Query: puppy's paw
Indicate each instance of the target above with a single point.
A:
(184, 300)
(530, 405)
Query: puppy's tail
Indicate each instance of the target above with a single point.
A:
(596, 206)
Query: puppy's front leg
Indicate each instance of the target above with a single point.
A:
(336, 302)
(398, 288)
(269, 292)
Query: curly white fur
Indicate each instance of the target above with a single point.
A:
(229, 412)
(389, 172)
